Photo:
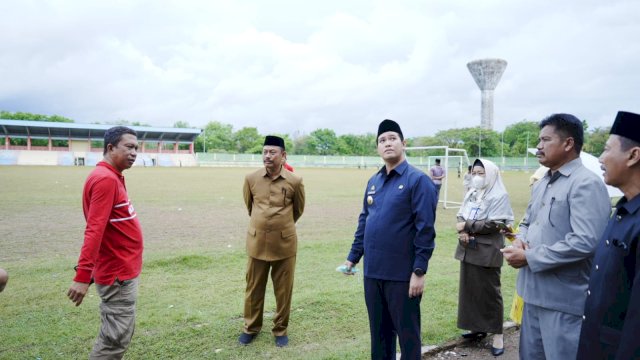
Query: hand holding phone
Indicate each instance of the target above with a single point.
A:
(506, 230)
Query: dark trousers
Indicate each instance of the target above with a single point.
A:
(392, 315)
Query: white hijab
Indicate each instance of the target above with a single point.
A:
(489, 203)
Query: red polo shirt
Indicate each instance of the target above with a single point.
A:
(113, 237)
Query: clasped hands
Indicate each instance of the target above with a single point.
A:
(463, 235)
(514, 254)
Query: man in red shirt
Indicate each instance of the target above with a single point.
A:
(287, 166)
(111, 255)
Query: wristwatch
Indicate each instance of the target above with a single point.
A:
(418, 272)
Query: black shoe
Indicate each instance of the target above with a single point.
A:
(476, 335)
(246, 339)
(497, 351)
(282, 341)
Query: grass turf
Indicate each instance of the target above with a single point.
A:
(192, 285)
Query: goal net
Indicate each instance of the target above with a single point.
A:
(454, 161)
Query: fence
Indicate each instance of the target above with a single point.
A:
(360, 162)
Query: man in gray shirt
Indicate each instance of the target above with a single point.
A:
(567, 213)
(437, 174)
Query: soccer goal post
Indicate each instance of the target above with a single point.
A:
(446, 154)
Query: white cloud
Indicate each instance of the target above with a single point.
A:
(288, 66)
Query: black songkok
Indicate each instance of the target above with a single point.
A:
(274, 141)
(627, 125)
(389, 125)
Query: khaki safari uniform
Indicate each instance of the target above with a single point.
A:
(274, 206)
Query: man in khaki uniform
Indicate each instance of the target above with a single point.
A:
(275, 200)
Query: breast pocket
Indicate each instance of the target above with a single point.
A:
(558, 215)
(399, 198)
(286, 196)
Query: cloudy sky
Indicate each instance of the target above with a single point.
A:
(295, 66)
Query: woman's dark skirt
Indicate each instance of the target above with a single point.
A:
(480, 305)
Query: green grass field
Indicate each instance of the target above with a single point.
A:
(192, 284)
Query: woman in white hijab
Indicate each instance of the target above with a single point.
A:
(484, 212)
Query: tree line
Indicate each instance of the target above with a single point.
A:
(221, 137)
(512, 142)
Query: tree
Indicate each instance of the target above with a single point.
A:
(216, 136)
(125, 122)
(452, 138)
(323, 142)
(33, 117)
(181, 124)
(301, 145)
(595, 140)
(248, 140)
(516, 135)
(480, 142)
(476, 141)
(363, 145)
(424, 141)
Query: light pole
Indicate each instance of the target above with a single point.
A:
(502, 149)
(526, 152)
(480, 142)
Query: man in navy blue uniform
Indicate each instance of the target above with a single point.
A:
(396, 236)
(611, 321)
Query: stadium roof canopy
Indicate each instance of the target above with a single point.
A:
(75, 131)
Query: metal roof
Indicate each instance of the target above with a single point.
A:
(75, 131)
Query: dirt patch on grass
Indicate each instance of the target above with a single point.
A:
(462, 349)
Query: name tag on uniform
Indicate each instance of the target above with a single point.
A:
(473, 214)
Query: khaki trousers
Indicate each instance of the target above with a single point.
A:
(257, 276)
(118, 313)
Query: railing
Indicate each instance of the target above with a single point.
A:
(94, 149)
(362, 162)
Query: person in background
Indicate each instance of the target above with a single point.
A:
(538, 174)
(111, 255)
(275, 201)
(612, 310)
(4, 279)
(287, 166)
(466, 181)
(484, 213)
(396, 236)
(568, 210)
(437, 174)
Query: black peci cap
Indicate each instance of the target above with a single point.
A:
(389, 125)
(274, 141)
(627, 125)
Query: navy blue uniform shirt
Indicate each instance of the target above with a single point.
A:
(396, 226)
(611, 321)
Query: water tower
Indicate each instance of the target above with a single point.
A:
(487, 74)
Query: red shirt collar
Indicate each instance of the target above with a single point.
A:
(110, 167)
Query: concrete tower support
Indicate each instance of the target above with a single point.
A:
(487, 74)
